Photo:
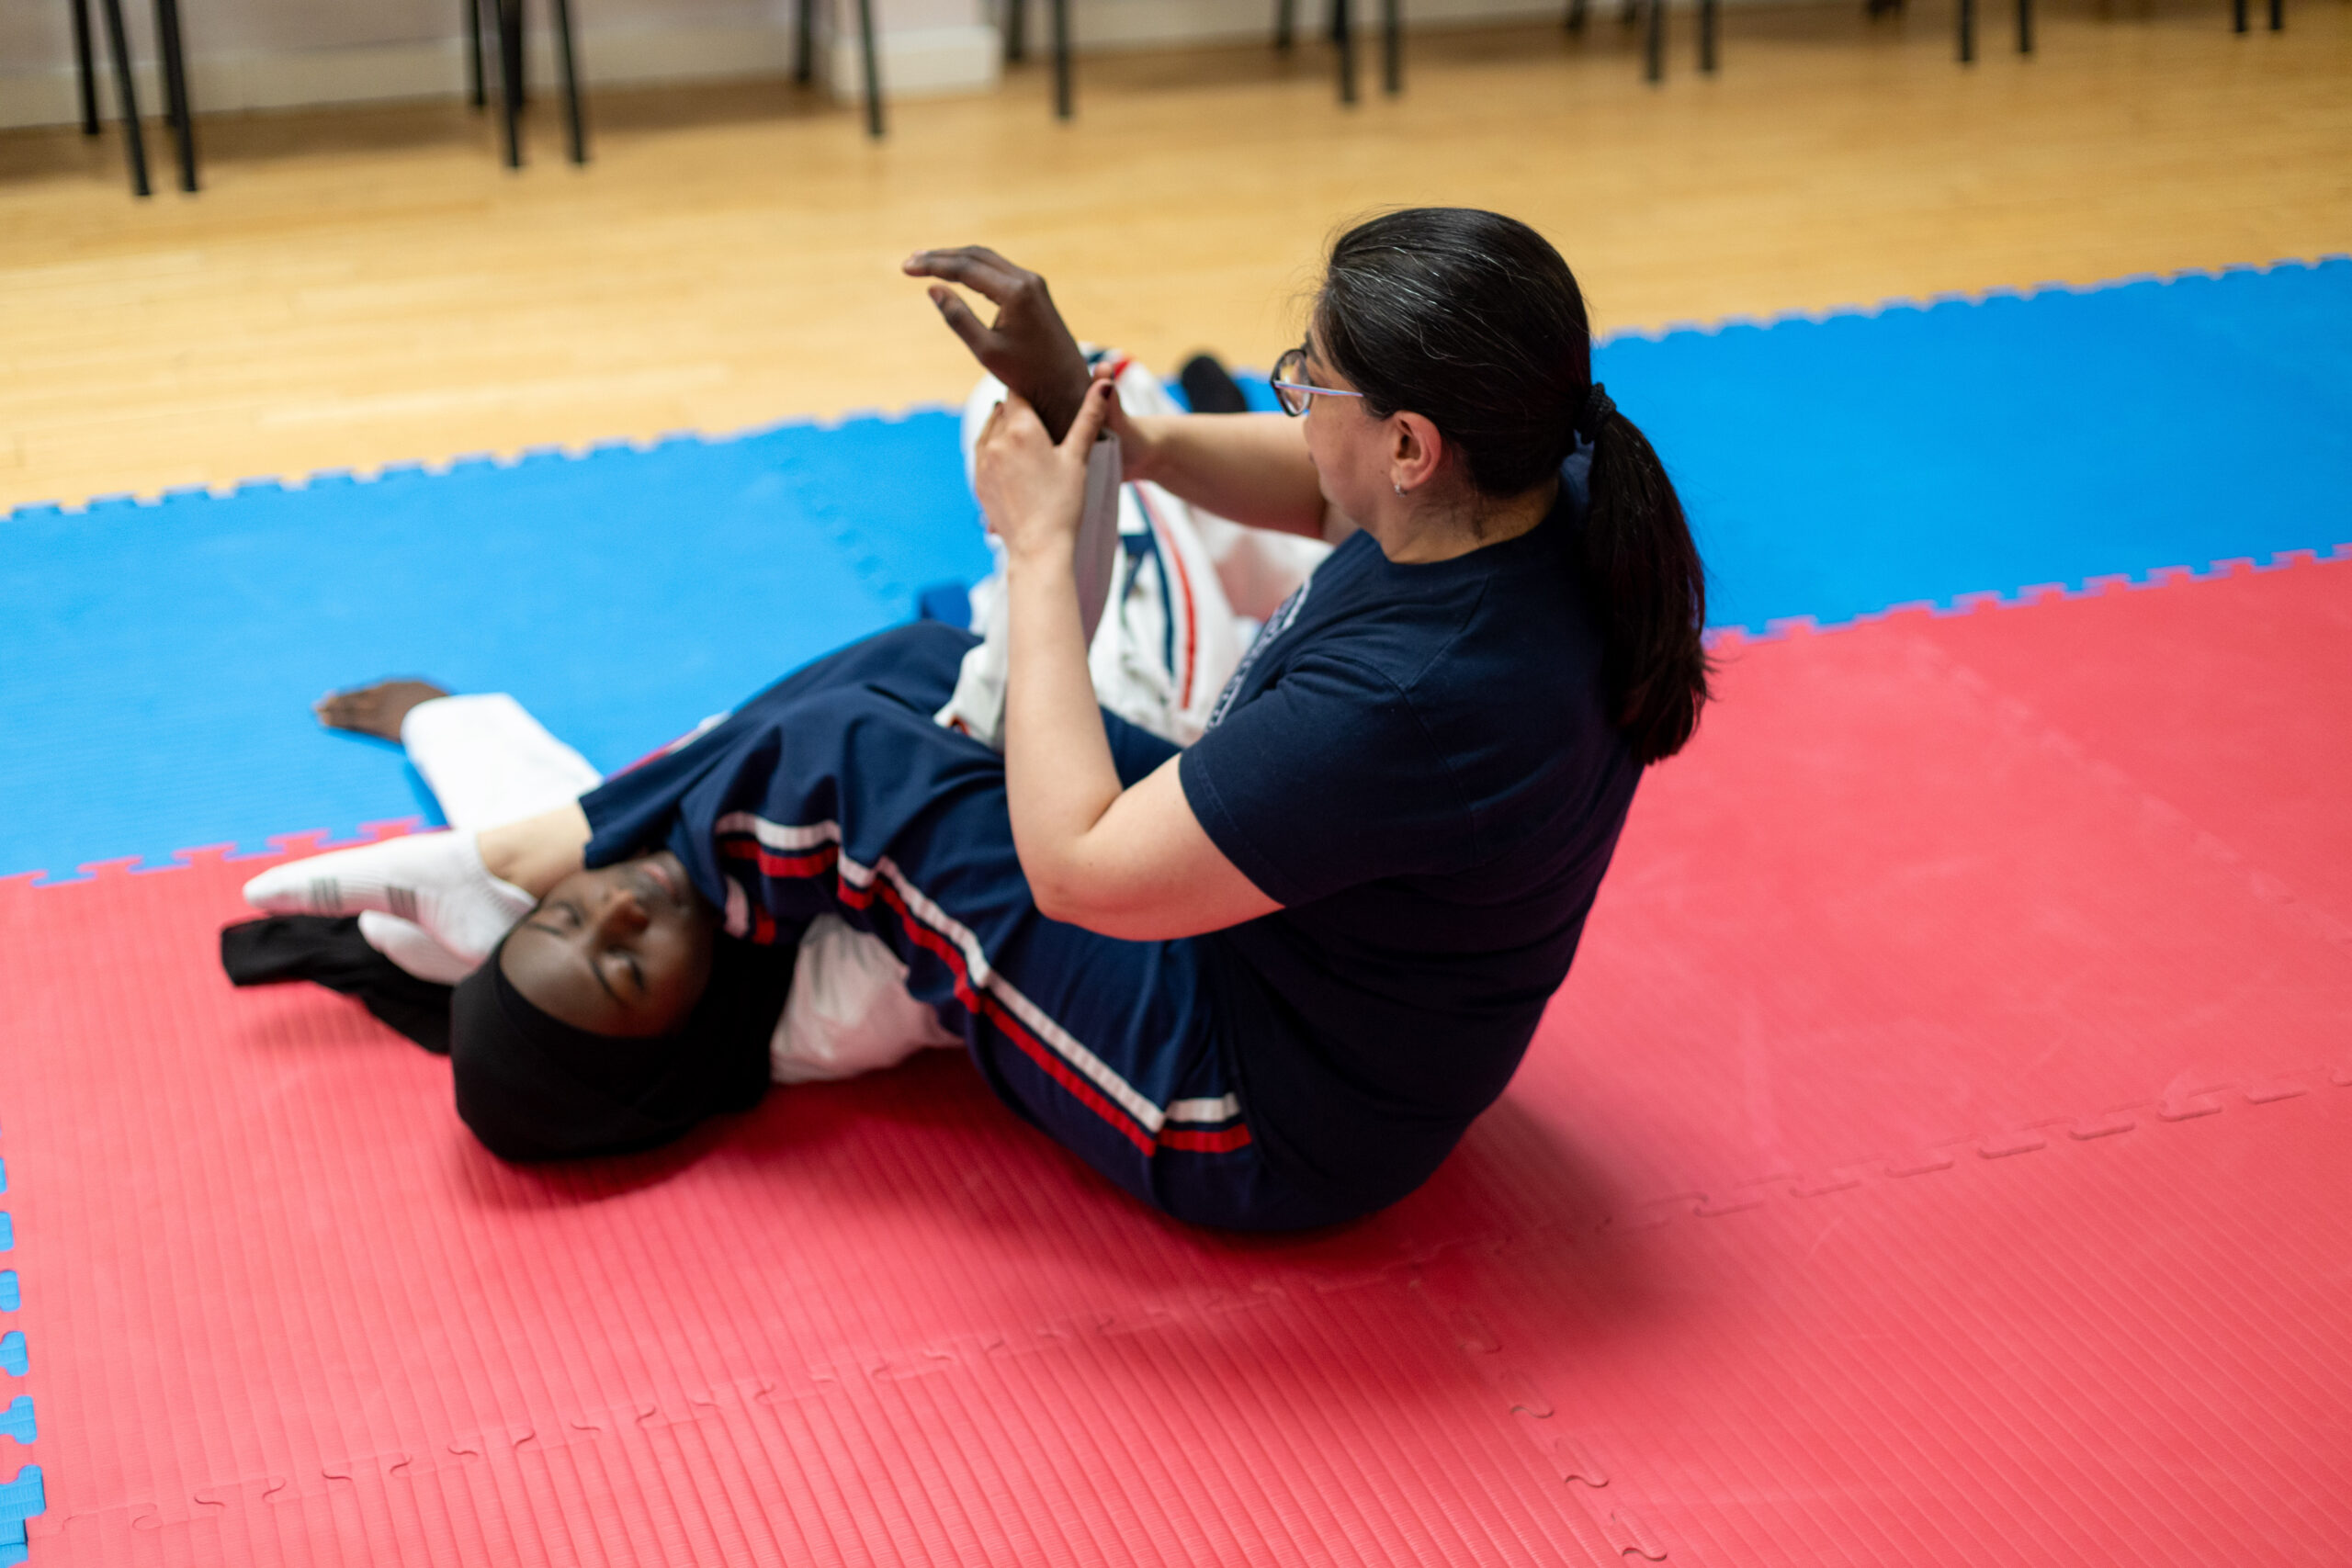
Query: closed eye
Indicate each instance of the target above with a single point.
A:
(572, 911)
(628, 962)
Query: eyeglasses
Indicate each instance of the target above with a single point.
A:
(1295, 395)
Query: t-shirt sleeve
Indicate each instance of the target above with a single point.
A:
(1326, 780)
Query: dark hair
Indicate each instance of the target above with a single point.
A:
(1472, 321)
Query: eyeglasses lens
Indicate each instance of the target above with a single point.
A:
(1291, 367)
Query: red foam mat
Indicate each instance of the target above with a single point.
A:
(1937, 1158)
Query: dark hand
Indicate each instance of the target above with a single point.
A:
(1026, 347)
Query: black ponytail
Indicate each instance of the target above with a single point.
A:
(1473, 321)
(1642, 570)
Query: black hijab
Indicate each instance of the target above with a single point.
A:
(329, 950)
(535, 1087)
(530, 1086)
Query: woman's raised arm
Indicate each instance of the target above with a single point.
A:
(1134, 863)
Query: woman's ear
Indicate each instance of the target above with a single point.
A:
(1416, 451)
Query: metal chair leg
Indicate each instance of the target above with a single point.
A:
(1968, 32)
(2278, 16)
(85, 70)
(510, 77)
(1062, 106)
(126, 99)
(575, 131)
(1655, 46)
(2025, 27)
(1707, 28)
(1392, 47)
(1343, 25)
(873, 69)
(804, 42)
(176, 106)
(476, 94)
(1016, 30)
(1284, 18)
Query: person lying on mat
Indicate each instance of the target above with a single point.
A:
(1166, 641)
(1263, 981)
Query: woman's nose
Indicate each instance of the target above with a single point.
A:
(621, 914)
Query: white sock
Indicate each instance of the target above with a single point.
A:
(435, 880)
(408, 947)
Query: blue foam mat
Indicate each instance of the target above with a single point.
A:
(163, 656)
(160, 655)
(1834, 467)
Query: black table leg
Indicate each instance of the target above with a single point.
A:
(1968, 32)
(2278, 16)
(1707, 25)
(2025, 27)
(1016, 30)
(575, 130)
(126, 97)
(1063, 109)
(85, 70)
(1285, 22)
(804, 42)
(2237, 15)
(873, 69)
(510, 77)
(1343, 27)
(1392, 47)
(1574, 20)
(1654, 48)
(175, 105)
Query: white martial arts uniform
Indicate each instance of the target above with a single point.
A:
(1189, 590)
(1186, 593)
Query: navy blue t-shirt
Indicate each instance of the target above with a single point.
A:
(1417, 761)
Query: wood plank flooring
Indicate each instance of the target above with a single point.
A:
(366, 285)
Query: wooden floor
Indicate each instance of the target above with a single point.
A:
(362, 287)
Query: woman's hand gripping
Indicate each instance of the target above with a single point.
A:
(1031, 487)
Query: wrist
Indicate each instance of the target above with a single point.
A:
(1058, 407)
(1040, 550)
(1141, 445)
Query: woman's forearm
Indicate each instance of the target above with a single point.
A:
(1251, 468)
(1059, 778)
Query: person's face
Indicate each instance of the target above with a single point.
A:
(1349, 447)
(622, 951)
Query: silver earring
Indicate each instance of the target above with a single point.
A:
(1397, 488)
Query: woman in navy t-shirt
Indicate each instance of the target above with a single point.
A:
(1268, 981)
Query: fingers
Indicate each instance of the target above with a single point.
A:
(976, 267)
(961, 321)
(1016, 415)
(1092, 414)
(1011, 425)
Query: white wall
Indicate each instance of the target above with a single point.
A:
(276, 53)
(279, 53)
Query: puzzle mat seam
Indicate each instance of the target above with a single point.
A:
(1517, 1398)
(578, 452)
